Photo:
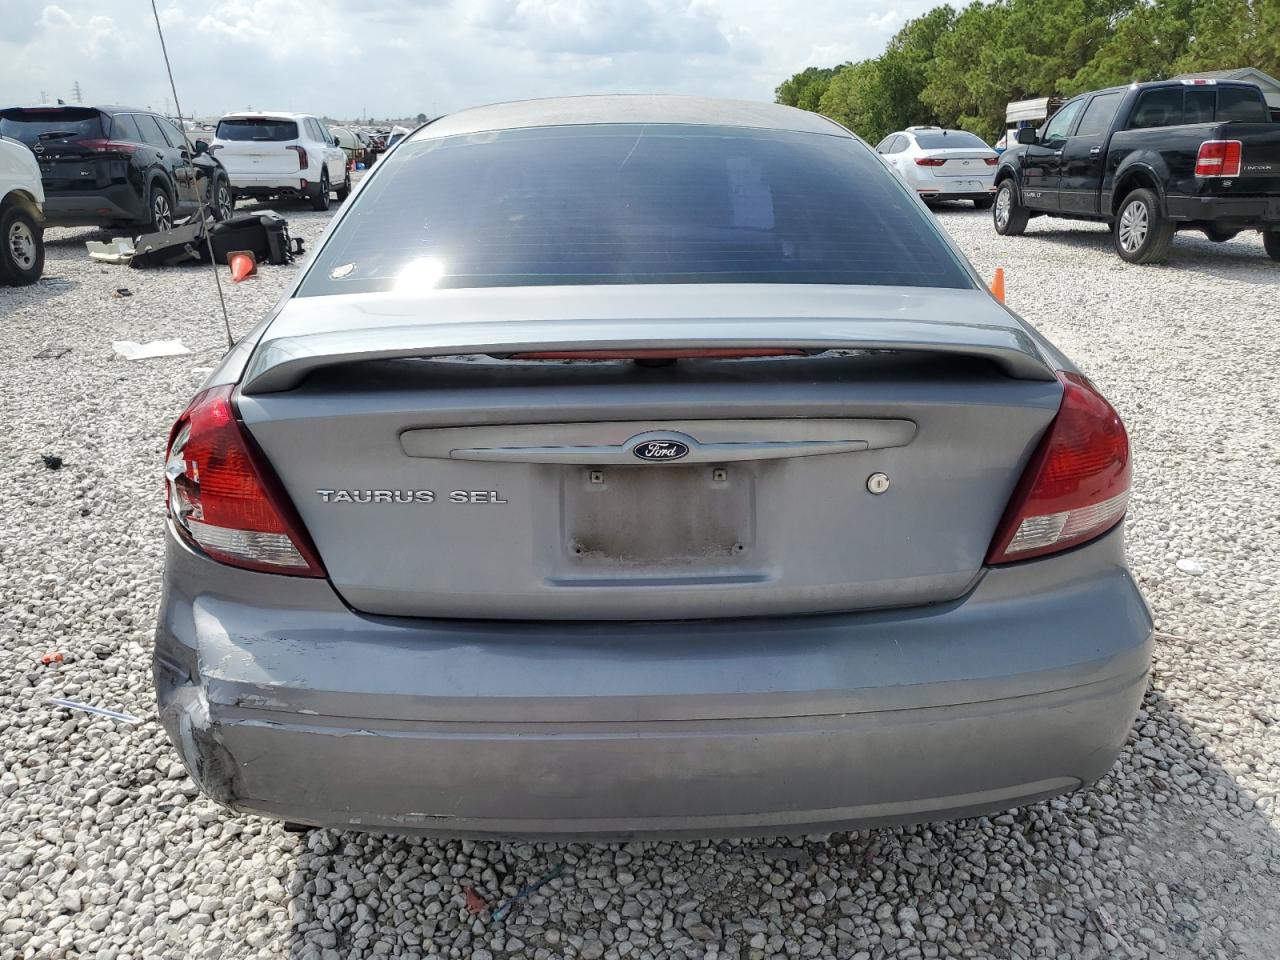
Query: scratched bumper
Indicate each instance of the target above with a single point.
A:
(281, 701)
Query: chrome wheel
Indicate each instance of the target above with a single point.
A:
(22, 246)
(161, 215)
(1004, 202)
(1135, 224)
(222, 201)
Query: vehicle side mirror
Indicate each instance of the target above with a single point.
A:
(1026, 136)
(336, 143)
(201, 146)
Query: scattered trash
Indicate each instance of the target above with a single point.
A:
(52, 353)
(51, 461)
(1107, 925)
(204, 370)
(476, 904)
(57, 283)
(264, 234)
(116, 250)
(122, 292)
(55, 657)
(243, 265)
(526, 890)
(164, 248)
(1193, 567)
(100, 711)
(145, 351)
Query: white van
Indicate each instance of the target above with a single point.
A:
(21, 216)
(281, 155)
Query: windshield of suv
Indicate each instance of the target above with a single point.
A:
(951, 138)
(629, 203)
(256, 128)
(31, 125)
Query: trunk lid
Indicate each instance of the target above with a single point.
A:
(474, 485)
(962, 163)
(70, 145)
(258, 145)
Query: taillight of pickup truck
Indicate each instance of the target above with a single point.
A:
(1219, 158)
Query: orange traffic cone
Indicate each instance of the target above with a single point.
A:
(243, 264)
(997, 284)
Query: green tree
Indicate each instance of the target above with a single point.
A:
(805, 89)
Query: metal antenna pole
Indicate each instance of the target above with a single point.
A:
(191, 170)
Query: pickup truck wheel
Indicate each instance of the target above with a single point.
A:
(1271, 241)
(1009, 216)
(1142, 233)
(21, 247)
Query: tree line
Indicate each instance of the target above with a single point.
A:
(959, 69)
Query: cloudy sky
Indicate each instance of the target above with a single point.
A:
(349, 58)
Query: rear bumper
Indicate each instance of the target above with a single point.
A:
(1240, 212)
(272, 185)
(292, 706)
(92, 209)
(928, 193)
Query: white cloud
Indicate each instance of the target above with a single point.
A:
(399, 57)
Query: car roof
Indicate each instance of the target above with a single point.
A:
(628, 108)
(269, 114)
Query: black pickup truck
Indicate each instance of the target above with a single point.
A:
(1150, 159)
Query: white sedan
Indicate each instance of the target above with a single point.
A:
(943, 164)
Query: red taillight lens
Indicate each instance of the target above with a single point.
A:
(691, 353)
(1219, 158)
(223, 497)
(929, 162)
(302, 156)
(991, 161)
(109, 146)
(1076, 485)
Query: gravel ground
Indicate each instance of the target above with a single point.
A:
(107, 851)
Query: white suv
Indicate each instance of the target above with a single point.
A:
(21, 216)
(281, 155)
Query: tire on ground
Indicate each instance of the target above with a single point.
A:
(1009, 215)
(21, 246)
(1141, 236)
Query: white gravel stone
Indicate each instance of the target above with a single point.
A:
(109, 851)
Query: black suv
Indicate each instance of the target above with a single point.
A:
(117, 166)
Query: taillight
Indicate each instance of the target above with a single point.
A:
(1076, 485)
(689, 353)
(109, 146)
(1219, 158)
(302, 156)
(929, 162)
(223, 496)
(990, 161)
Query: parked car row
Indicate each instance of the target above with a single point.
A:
(124, 168)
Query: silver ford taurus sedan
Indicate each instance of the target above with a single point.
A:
(626, 465)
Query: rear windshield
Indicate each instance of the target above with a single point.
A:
(256, 128)
(1241, 105)
(950, 138)
(67, 123)
(632, 204)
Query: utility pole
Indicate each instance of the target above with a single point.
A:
(75, 92)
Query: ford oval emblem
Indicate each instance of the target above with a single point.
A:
(657, 451)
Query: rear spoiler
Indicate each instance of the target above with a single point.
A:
(283, 363)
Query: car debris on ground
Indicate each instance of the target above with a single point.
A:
(147, 351)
